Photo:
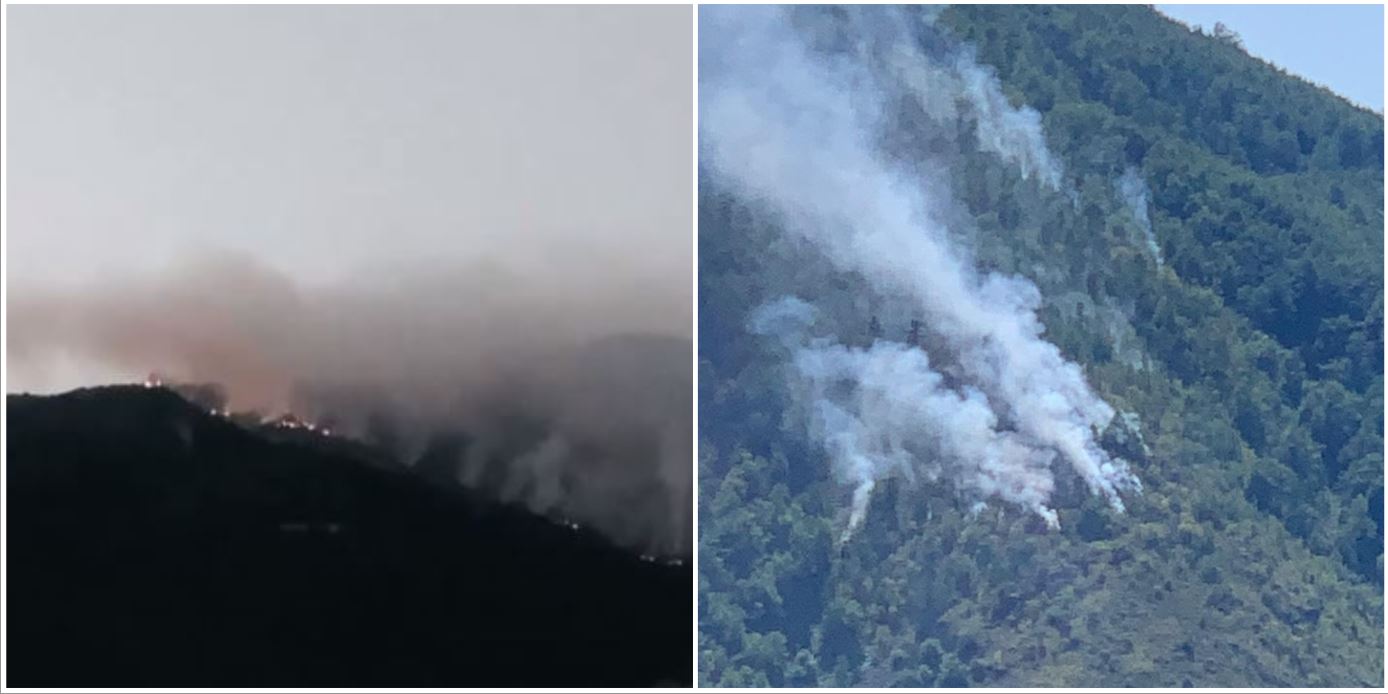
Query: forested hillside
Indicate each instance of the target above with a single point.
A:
(1211, 257)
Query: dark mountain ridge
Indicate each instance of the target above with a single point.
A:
(154, 544)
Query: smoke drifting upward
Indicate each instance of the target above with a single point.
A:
(570, 381)
(792, 122)
(883, 409)
(1133, 190)
(948, 84)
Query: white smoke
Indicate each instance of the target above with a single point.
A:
(950, 85)
(798, 130)
(1135, 194)
(883, 409)
(1014, 134)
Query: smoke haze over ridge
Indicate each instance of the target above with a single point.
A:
(452, 218)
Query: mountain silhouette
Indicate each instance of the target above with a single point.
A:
(152, 543)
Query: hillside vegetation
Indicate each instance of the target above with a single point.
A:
(1247, 344)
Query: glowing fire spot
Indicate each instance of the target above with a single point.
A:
(289, 420)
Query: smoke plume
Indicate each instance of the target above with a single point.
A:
(569, 381)
(793, 114)
(946, 84)
(883, 409)
(1135, 194)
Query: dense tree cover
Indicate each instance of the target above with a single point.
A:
(1251, 355)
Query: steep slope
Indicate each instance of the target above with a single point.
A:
(1220, 288)
(1282, 247)
(151, 544)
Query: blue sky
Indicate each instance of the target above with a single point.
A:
(1336, 46)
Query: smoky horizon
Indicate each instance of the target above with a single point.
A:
(431, 215)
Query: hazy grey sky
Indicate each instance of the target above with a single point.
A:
(327, 139)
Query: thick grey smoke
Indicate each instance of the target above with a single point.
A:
(572, 386)
(1135, 194)
(799, 128)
